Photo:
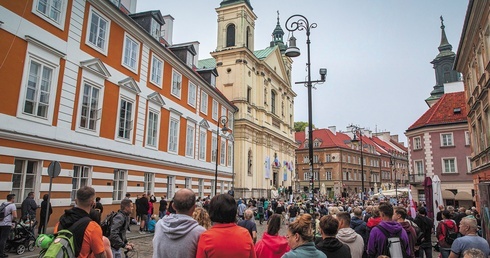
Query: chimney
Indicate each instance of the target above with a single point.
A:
(167, 29)
(394, 137)
(333, 129)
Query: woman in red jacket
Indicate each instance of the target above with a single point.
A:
(272, 245)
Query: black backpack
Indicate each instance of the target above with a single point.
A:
(2, 211)
(107, 223)
(451, 234)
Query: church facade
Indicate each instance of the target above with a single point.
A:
(258, 82)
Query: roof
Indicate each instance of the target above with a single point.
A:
(444, 112)
(206, 63)
(327, 138)
(211, 62)
(261, 54)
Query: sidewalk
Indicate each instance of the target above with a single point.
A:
(134, 234)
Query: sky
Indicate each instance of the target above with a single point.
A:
(377, 53)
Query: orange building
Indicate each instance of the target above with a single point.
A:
(89, 86)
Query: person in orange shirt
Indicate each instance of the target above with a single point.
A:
(88, 242)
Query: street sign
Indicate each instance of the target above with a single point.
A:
(54, 169)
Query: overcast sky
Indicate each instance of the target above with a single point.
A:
(377, 53)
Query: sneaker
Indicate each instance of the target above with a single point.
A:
(142, 232)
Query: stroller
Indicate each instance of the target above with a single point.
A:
(21, 237)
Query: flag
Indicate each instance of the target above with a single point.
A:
(412, 203)
(277, 163)
(285, 174)
(267, 165)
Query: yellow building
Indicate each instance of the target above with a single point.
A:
(258, 82)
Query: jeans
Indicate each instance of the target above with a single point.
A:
(4, 235)
(116, 253)
(427, 249)
(162, 214)
(445, 252)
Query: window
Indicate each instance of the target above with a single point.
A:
(50, 10)
(148, 183)
(417, 143)
(306, 159)
(90, 112)
(315, 158)
(468, 164)
(213, 187)
(328, 174)
(79, 179)
(316, 143)
(156, 71)
(214, 148)
(155, 29)
(215, 110)
(176, 83)
(200, 189)
(170, 186)
(202, 144)
(38, 89)
(24, 178)
(125, 119)
(467, 138)
(152, 135)
(249, 95)
(328, 158)
(204, 102)
(222, 154)
(189, 59)
(223, 111)
(230, 35)
(98, 31)
(191, 96)
(188, 183)
(119, 184)
(273, 102)
(229, 154)
(173, 136)
(449, 165)
(130, 53)
(189, 141)
(447, 139)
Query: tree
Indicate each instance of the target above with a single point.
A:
(300, 126)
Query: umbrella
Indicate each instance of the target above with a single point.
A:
(436, 185)
(323, 190)
(428, 196)
(375, 188)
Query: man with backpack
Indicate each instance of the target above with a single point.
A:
(8, 213)
(119, 224)
(87, 234)
(388, 238)
(426, 226)
(446, 233)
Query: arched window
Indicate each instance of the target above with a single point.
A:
(230, 35)
(273, 102)
(248, 37)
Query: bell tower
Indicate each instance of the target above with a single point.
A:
(236, 25)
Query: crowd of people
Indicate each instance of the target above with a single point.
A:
(222, 226)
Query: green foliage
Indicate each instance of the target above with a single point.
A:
(301, 126)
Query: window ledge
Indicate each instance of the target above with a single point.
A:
(448, 146)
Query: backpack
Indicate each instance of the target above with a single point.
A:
(393, 244)
(64, 244)
(2, 211)
(107, 223)
(451, 234)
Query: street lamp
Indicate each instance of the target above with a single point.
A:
(223, 121)
(357, 130)
(299, 22)
(393, 170)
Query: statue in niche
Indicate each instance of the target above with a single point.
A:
(249, 167)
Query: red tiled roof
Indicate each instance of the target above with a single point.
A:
(443, 111)
(384, 145)
(326, 136)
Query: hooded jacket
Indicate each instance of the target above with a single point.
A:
(176, 235)
(332, 247)
(355, 242)
(441, 232)
(412, 236)
(360, 227)
(68, 219)
(308, 249)
(377, 240)
(271, 246)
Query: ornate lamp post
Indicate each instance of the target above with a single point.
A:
(294, 23)
(357, 130)
(223, 121)
(393, 170)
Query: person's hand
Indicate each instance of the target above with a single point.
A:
(129, 246)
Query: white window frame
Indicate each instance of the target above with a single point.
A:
(46, 59)
(214, 148)
(204, 103)
(443, 160)
(173, 133)
(176, 85)
(188, 183)
(229, 154)
(131, 122)
(200, 188)
(224, 112)
(21, 190)
(78, 177)
(155, 29)
(468, 164)
(417, 143)
(447, 144)
(97, 110)
(213, 187)
(170, 186)
(120, 184)
(202, 144)
(222, 153)
(190, 140)
(192, 94)
(150, 129)
(328, 175)
(137, 53)
(156, 73)
(467, 139)
(103, 49)
(149, 183)
(215, 110)
(60, 24)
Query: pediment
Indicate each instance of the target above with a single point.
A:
(204, 124)
(156, 98)
(96, 66)
(275, 60)
(130, 84)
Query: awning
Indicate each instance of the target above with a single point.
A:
(463, 196)
(447, 195)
